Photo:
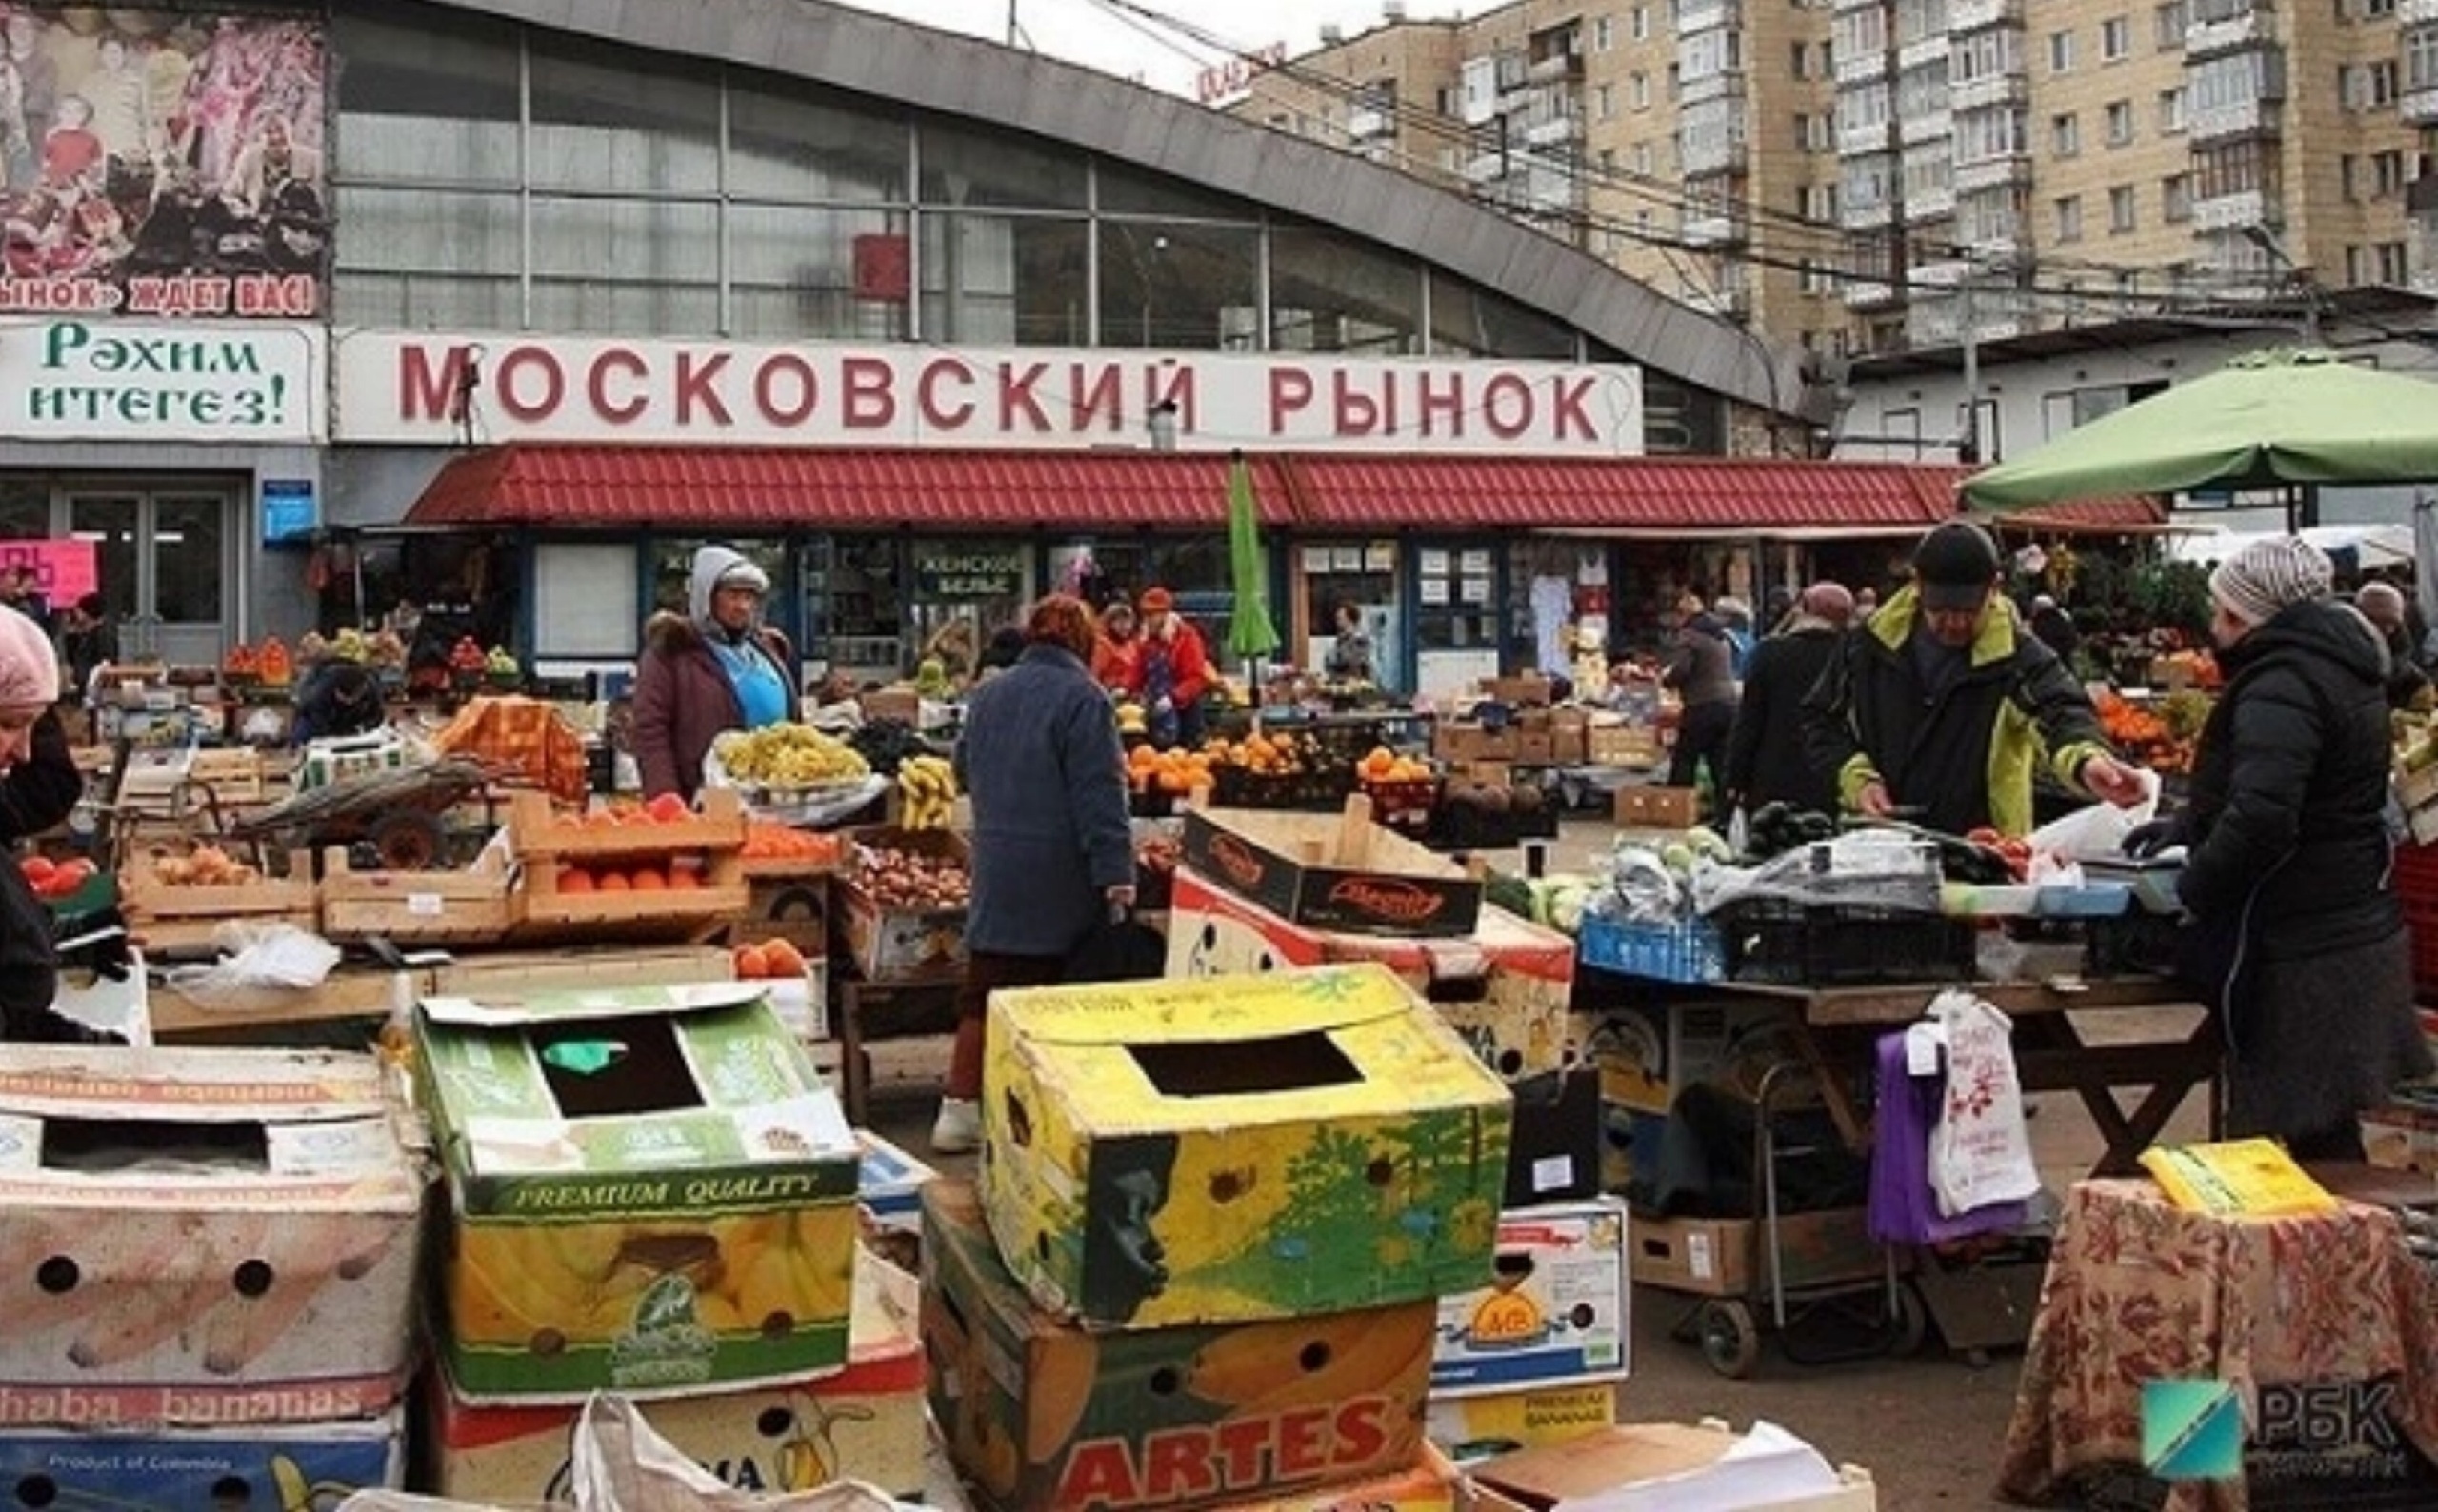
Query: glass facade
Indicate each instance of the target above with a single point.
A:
(495, 177)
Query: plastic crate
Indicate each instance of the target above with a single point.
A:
(2416, 880)
(1686, 950)
(1793, 945)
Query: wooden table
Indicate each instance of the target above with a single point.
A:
(2051, 1054)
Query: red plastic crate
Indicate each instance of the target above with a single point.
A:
(2416, 874)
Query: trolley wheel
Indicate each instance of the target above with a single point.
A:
(1909, 1323)
(1731, 1337)
(409, 841)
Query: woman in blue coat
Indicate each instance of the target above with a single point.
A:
(1053, 851)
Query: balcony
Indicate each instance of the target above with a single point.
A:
(1990, 92)
(1946, 272)
(1871, 293)
(2253, 117)
(1705, 16)
(1931, 125)
(2418, 107)
(1727, 302)
(1993, 173)
(1861, 67)
(1853, 217)
(1929, 203)
(1728, 84)
(1975, 16)
(1365, 122)
(1861, 141)
(2416, 12)
(1484, 168)
(1554, 131)
(2207, 38)
(1556, 68)
(1708, 159)
(1922, 53)
(1712, 226)
(2227, 212)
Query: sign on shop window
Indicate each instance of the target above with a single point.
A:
(970, 572)
(146, 381)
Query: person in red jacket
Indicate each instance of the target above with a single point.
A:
(1117, 653)
(1176, 671)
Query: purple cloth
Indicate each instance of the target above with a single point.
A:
(1903, 1208)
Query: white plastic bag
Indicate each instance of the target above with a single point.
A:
(622, 1464)
(2097, 830)
(1980, 1149)
(256, 956)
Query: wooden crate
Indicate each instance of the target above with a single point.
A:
(795, 910)
(234, 774)
(183, 921)
(472, 907)
(544, 842)
(896, 946)
(506, 972)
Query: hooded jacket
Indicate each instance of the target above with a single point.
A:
(683, 697)
(2286, 827)
(1767, 761)
(35, 794)
(1966, 756)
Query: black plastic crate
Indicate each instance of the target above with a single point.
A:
(2137, 944)
(1795, 944)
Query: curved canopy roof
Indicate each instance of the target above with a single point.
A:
(955, 75)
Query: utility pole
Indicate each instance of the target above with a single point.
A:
(1968, 445)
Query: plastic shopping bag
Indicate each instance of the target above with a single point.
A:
(1981, 1149)
(2097, 831)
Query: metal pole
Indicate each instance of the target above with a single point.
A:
(1968, 447)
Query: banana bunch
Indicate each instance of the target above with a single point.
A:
(928, 784)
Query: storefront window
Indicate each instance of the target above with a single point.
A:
(673, 564)
(1123, 191)
(855, 603)
(25, 510)
(1331, 292)
(1469, 320)
(433, 101)
(584, 601)
(783, 147)
(604, 122)
(965, 588)
(1180, 284)
(1363, 573)
(976, 167)
(793, 271)
(1003, 280)
(629, 267)
(410, 262)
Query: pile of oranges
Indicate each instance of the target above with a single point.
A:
(679, 874)
(765, 840)
(1381, 765)
(770, 961)
(1175, 772)
(1261, 755)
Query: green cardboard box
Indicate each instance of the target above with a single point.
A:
(650, 1189)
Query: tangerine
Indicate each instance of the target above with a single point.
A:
(613, 882)
(752, 963)
(574, 878)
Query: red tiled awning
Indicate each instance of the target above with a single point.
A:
(569, 487)
(1638, 493)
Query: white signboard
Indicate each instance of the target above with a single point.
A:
(405, 387)
(118, 380)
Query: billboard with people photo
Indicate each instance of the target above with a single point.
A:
(162, 164)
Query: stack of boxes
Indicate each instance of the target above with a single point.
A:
(1215, 1223)
(208, 1266)
(650, 1191)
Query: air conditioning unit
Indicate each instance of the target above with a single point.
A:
(1331, 33)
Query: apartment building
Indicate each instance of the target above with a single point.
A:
(1880, 175)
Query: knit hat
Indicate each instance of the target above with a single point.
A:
(2268, 575)
(28, 664)
(1955, 566)
(1158, 601)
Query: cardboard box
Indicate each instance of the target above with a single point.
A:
(1556, 1312)
(1570, 746)
(505, 972)
(1722, 1257)
(889, 1183)
(650, 1191)
(1652, 807)
(1503, 987)
(1319, 871)
(2400, 1138)
(864, 1422)
(1535, 749)
(271, 1465)
(281, 1255)
(1470, 1429)
(472, 906)
(1045, 1417)
(904, 945)
(1530, 688)
(1622, 744)
(1431, 1484)
(1457, 742)
(1644, 1467)
(1163, 1153)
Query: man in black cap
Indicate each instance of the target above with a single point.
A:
(1942, 705)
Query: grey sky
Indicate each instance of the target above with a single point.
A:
(1085, 33)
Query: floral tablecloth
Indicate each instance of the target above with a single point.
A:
(2138, 1290)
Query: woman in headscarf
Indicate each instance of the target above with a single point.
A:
(715, 668)
(39, 785)
(1052, 846)
(2297, 930)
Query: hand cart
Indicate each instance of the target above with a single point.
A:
(399, 813)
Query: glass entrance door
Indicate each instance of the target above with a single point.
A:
(163, 556)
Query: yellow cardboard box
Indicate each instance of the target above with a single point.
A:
(1160, 1153)
(866, 1422)
(1471, 1429)
(650, 1191)
(1046, 1416)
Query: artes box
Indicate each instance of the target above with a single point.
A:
(186, 1234)
(1503, 987)
(1333, 872)
(1045, 1417)
(1163, 1153)
(650, 1191)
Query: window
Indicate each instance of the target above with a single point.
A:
(2065, 135)
(2386, 174)
(2372, 9)
(2391, 263)
(2115, 40)
(2172, 111)
(2166, 26)
(1604, 102)
(2367, 86)
(2120, 123)
(1638, 90)
(1642, 158)
(2348, 177)
(1608, 162)
(1642, 23)
(2069, 218)
(2120, 209)
(2061, 53)
(1801, 57)
(1604, 33)
(2356, 263)
(2421, 59)
(2383, 83)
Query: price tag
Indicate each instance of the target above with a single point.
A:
(424, 904)
(1552, 1173)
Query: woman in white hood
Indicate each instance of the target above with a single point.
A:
(717, 668)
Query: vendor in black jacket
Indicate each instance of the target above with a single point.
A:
(1942, 705)
(1766, 762)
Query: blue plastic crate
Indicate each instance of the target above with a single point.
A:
(1688, 950)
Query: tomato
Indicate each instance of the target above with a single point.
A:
(39, 870)
(667, 808)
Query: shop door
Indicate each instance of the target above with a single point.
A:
(164, 557)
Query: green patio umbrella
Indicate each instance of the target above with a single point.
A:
(1250, 636)
(2264, 421)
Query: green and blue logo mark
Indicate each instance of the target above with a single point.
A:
(2192, 1430)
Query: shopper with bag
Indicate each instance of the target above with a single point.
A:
(2296, 932)
(1053, 850)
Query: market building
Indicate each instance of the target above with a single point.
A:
(501, 308)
